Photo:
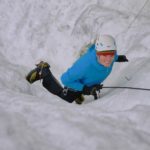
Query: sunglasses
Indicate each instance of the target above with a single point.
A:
(106, 53)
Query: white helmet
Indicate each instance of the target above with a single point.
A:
(105, 42)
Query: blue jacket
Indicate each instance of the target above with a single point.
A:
(86, 71)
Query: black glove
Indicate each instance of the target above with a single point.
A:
(92, 89)
(98, 86)
(86, 90)
(122, 58)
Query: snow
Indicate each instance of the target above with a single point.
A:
(54, 31)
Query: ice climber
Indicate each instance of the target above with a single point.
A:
(85, 76)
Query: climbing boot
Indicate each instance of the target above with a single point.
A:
(41, 71)
(80, 99)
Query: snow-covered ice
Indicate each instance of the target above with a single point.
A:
(54, 31)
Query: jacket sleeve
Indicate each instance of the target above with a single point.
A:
(72, 77)
(116, 57)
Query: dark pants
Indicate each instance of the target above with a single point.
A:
(54, 87)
